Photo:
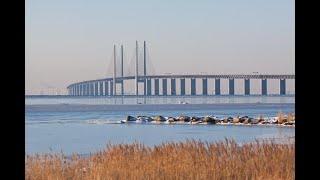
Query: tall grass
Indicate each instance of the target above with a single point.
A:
(184, 160)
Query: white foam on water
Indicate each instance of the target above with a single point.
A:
(101, 121)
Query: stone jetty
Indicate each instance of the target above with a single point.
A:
(280, 119)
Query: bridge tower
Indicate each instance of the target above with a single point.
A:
(122, 88)
(144, 69)
(136, 77)
(114, 71)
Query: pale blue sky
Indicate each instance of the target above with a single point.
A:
(72, 40)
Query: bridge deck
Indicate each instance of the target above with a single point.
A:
(228, 76)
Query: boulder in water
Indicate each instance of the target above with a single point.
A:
(255, 121)
(145, 118)
(236, 120)
(159, 118)
(195, 119)
(171, 119)
(281, 118)
(184, 118)
(247, 121)
(209, 119)
(229, 119)
(131, 118)
(242, 119)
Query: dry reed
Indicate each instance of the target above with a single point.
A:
(183, 160)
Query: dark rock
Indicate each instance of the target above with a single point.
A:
(288, 123)
(242, 119)
(248, 120)
(229, 119)
(131, 118)
(195, 119)
(209, 120)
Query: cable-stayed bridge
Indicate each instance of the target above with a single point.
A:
(137, 72)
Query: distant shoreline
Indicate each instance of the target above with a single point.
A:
(137, 107)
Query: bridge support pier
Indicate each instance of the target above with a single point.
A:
(148, 87)
(96, 89)
(101, 88)
(91, 89)
(173, 87)
(205, 86)
(76, 90)
(193, 86)
(86, 89)
(217, 86)
(247, 86)
(164, 87)
(231, 86)
(106, 88)
(81, 89)
(111, 88)
(122, 88)
(282, 86)
(182, 87)
(156, 87)
(264, 90)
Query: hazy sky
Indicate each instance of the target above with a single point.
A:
(72, 40)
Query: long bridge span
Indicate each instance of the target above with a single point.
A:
(151, 83)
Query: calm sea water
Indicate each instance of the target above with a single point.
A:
(83, 125)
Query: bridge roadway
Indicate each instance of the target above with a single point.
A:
(104, 87)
